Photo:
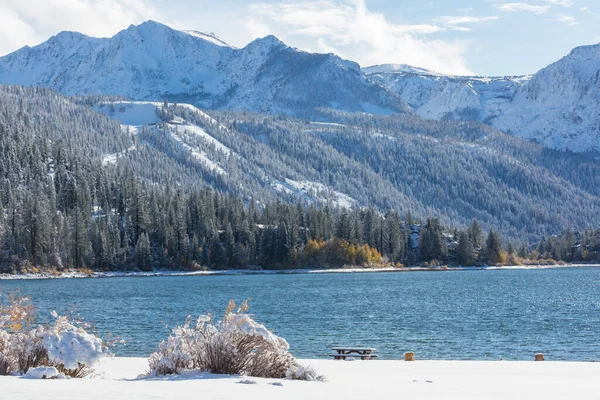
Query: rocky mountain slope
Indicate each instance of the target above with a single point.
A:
(559, 106)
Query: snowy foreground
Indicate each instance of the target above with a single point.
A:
(117, 379)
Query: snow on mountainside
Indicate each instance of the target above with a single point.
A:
(210, 37)
(152, 62)
(438, 96)
(207, 150)
(391, 68)
(558, 107)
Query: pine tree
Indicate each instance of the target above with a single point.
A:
(493, 248)
(36, 223)
(143, 253)
(465, 250)
(476, 234)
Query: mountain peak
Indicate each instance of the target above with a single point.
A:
(588, 49)
(149, 24)
(267, 42)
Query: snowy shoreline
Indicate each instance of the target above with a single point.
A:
(138, 274)
(117, 379)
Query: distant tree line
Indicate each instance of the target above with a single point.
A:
(63, 210)
(65, 204)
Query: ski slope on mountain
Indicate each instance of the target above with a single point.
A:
(213, 155)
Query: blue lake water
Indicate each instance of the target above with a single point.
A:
(491, 314)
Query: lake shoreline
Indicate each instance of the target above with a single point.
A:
(230, 272)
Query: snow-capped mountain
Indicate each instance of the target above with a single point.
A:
(152, 61)
(559, 106)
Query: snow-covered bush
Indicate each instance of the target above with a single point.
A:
(27, 351)
(70, 348)
(63, 345)
(235, 345)
(303, 373)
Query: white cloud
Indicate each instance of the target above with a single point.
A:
(513, 7)
(456, 23)
(565, 3)
(349, 29)
(465, 19)
(29, 22)
(567, 19)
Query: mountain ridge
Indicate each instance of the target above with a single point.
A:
(559, 106)
(151, 61)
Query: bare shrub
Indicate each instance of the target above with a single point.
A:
(29, 351)
(235, 345)
(5, 357)
(16, 315)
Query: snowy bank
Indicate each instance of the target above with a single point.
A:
(423, 380)
(120, 274)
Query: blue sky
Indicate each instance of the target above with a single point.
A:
(484, 37)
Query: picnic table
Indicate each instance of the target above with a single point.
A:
(364, 353)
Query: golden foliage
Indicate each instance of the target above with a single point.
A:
(16, 312)
(341, 252)
(231, 307)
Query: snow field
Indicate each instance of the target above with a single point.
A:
(423, 380)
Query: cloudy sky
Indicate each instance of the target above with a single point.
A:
(484, 37)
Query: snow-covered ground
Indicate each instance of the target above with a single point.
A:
(312, 191)
(116, 379)
(131, 113)
(112, 158)
(134, 114)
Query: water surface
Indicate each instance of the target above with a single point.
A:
(502, 314)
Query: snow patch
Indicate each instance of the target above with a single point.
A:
(329, 124)
(315, 191)
(44, 373)
(132, 113)
(198, 154)
(209, 37)
(196, 130)
(112, 158)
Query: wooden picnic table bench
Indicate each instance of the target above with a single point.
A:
(364, 353)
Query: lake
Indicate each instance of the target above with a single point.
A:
(479, 314)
